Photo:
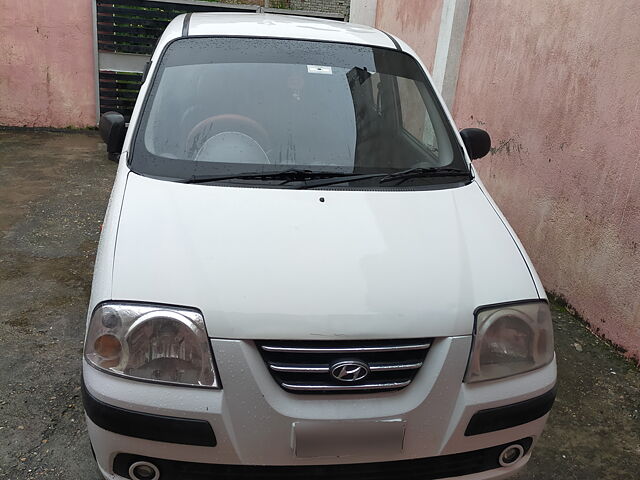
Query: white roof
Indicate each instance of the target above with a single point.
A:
(282, 26)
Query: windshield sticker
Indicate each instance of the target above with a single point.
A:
(319, 69)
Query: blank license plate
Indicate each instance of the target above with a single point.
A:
(340, 439)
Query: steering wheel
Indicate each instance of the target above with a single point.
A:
(228, 122)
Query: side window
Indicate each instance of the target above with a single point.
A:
(415, 118)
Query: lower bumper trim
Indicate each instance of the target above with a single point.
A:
(420, 469)
(499, 418)
(148, 426)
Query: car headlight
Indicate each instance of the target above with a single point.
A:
(509, 340)
(152, 343)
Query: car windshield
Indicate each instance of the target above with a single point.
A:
(227, 106)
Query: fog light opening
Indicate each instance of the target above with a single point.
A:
(144, 471)
(511, 455)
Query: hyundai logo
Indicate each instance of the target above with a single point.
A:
(349, 371)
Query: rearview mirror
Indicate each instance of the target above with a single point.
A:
(476, 141)
(113, 130)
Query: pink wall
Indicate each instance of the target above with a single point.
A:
(557, 84)
(417, 22)
(46, 63)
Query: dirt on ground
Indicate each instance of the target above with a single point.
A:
(54, 189)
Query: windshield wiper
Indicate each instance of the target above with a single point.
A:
(349, 177)
(290, 175)
(387, 177)
(423, 172)
(318, 178)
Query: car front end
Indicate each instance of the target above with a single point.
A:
(253, 424)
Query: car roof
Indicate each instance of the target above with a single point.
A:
(276, 26)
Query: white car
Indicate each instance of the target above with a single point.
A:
(300, 274)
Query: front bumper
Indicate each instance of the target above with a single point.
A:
(252, 418)
(461, 464)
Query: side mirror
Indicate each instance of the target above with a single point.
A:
(113, 130)
(476, 141)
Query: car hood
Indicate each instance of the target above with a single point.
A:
(309, 264)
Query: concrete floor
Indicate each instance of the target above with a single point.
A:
(53, 192)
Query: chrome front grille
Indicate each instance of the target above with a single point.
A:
(334, 366)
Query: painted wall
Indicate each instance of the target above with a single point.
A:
(416, 22)
(46, 63)
(328, 6)
(557, 84)
(363, 12)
